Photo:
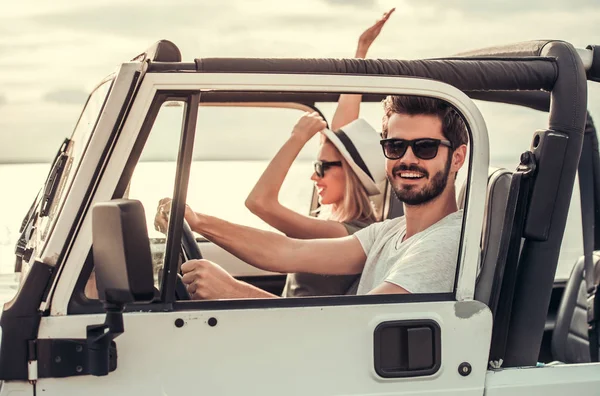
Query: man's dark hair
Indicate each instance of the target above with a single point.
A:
(453, 125)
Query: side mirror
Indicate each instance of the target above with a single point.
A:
(123, 264)
(122, 256)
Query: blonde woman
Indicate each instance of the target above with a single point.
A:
(343, 187)
(348, 169)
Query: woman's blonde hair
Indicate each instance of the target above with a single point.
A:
(356, 205)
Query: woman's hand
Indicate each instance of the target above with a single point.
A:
(368, 36)
(348, 108)
(161, 219)
(308, 125)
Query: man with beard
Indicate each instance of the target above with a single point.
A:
(424, 142)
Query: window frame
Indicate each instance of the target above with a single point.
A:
(170, 83)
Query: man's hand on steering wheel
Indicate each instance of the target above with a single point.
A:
(163, 211)
(206, 280)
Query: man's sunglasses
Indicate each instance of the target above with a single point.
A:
(322, 166)
(425, 149)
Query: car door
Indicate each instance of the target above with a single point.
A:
(421, 344)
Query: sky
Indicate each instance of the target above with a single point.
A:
(53, 53)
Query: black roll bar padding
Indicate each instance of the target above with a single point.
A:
(517, 50)
(537, 100)
(568, 104)
(566, 109)
(467, 74)
(593, 73)
(161, 51)
(539, 259)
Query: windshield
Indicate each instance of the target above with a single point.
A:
(65, 167)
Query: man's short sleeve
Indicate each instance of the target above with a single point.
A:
(369, 235)
(366, 237)
(429, 265)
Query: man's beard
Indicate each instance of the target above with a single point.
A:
(409, 195)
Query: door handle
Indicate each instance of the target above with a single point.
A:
(407, 348)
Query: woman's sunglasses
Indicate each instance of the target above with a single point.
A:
(425, 149)
(322, 166)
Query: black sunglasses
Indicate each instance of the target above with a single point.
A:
(425, 149)
(322, 166)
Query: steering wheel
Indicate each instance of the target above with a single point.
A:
(188, 242)
(191, 251)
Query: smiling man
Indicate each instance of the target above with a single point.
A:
(425, 146)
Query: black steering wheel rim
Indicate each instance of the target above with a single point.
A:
(191, 251)
(189, 244)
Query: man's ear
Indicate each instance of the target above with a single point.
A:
(458, 158)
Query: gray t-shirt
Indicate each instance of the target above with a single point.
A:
(424, 263)
(305, 285)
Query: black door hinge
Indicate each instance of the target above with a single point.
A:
(59, 358)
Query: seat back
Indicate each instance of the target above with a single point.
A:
(493, 226)
(570, 336)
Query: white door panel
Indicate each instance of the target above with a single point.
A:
(559, 380)
(15, 388)
(292, 351)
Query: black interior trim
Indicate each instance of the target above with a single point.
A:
(371, 299)
(95, 307)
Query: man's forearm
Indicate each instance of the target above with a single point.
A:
(277, 253)
(249, 291)
(263, 249)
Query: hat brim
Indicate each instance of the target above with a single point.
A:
(365, 179)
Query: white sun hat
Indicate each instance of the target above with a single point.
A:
(359, 144)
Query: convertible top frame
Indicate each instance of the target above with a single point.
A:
(531, 72)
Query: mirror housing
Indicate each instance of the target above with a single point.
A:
(122, 256)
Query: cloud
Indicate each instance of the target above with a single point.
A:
(205, 21)
(66, 96)
(355, 3)
(502, 8)
(132, 20)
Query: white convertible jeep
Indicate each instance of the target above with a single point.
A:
(194, 130)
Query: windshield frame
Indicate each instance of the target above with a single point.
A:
(74, 155)
(52, 251)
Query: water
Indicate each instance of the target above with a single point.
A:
(217, 188)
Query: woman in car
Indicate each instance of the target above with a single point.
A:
(349, 169)
(343, 187)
